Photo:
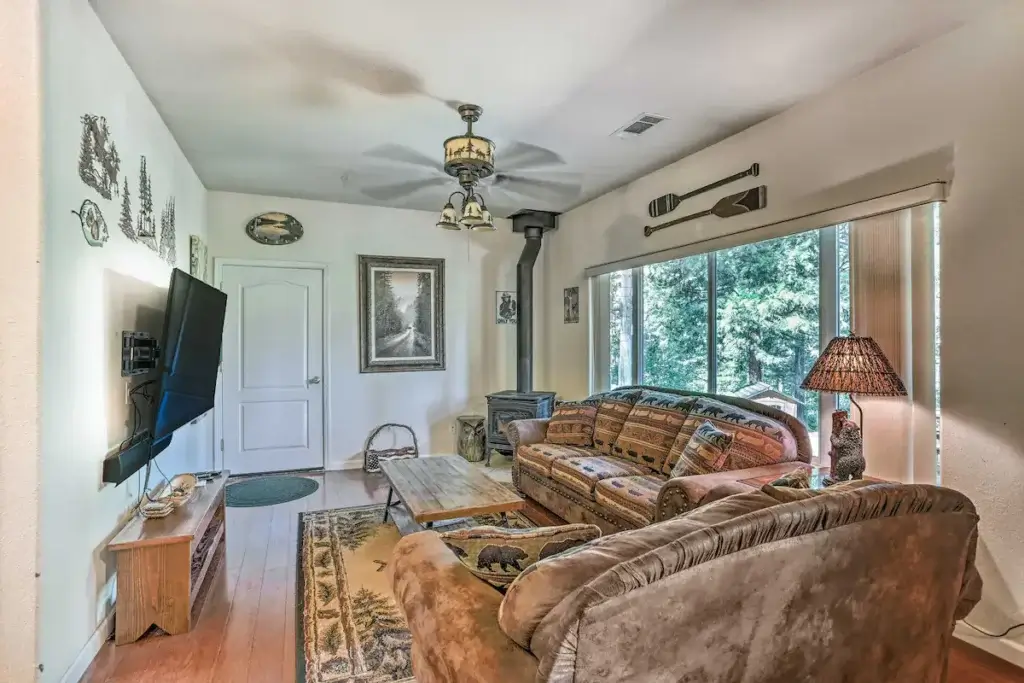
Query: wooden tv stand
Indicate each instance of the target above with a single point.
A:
(163, 564)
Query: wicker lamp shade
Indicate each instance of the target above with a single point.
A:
(854, 365)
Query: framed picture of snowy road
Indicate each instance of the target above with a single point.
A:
(401, 314)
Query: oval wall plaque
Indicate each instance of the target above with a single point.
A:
(274, 228)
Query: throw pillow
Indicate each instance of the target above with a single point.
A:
(800, 478)
(498, 555)
(706, 452)
(612, 410)
(572, 424)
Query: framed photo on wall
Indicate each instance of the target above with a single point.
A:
(401, 314)
(506, 308)
(571, 305)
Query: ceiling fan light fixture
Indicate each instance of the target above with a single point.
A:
(472, 213)
(486, 222)
(469, 154)
(449, 218)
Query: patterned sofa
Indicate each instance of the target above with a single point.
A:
(621, 477)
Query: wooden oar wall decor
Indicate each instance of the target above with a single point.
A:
(667, 203)
(726, 207)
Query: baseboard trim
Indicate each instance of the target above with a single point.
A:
(88, 653)
(1004, 648)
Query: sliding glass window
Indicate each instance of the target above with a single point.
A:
(767, 310)
(746, 321)
(674, 325)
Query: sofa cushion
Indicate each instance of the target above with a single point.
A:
(542, 586)
(651, 428)
(572, 423)
(498, 555)
(759, 440)
(538, 457)
(612, 410)
(706, 452)
(582, 474)
(634, 498)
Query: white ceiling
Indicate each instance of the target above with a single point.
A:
(307, 98)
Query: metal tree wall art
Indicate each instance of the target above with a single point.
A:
(98, 161)
(168, 237)
(94, 227)
(126, 223)
(145, 225)
(197, 257)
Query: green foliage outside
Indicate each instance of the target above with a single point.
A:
(767, 318)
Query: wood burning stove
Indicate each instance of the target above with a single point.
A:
(523, 403)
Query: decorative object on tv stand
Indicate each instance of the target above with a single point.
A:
(98, 160)
(401, 314)
(506, 308)
(726, 207)
(274, 229)
(571, 304)
(372, 455)
(852, 365)
(94, 227)
(667, 203)
(470, 437)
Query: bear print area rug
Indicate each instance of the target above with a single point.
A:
(351, 628)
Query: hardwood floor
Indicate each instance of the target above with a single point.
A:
(246, 633)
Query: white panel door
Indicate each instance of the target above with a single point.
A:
(273, 384)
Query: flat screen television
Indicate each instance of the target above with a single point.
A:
(189, 356)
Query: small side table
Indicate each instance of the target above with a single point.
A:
(818, 476)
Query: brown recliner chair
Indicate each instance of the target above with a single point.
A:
(855, 586)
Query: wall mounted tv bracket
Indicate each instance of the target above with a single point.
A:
(139, 353)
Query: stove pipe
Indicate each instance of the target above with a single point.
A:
(524, 289)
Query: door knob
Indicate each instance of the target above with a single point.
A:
(313, 380)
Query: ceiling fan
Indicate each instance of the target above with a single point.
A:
(524, 174)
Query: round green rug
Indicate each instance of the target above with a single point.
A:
(254, 493)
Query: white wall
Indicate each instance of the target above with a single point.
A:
(89, 295)
(962, 91)
(480, 354)
(21, 195)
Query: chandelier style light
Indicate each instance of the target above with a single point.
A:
(468, 158)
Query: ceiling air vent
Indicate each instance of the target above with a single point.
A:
(640, 125)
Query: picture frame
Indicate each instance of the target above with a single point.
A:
(571, 305)
(401, 314)
(506, 308)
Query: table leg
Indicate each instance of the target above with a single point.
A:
(504, 520)
(487, 459)
(429, 525)
(387, 506)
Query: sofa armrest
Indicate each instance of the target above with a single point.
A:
(524, 432)
(453, 618)
(682, 494)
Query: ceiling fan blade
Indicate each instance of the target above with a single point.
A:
(385, 192)
(404, 155)
(522, 155)
(558, 188)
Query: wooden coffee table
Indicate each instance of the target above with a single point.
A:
(445, 487)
